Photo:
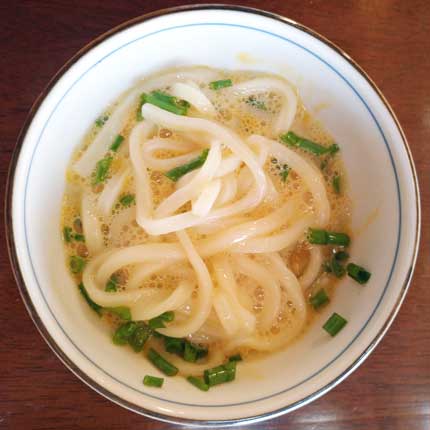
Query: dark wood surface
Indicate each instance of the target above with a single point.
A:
(390, 39)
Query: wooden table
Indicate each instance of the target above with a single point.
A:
(390, 39)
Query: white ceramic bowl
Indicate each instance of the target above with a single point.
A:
(386, 213)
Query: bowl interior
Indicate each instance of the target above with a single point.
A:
(381, 181)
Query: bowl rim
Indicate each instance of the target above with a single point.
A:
(10, 239)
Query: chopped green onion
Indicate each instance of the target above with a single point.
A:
(153, 381)
(177, 172)
(323, 237)
(169, 99)
(77, 264)
(67, 234)
(127, 200)
(166, 102)
(335, 266)
(161, 363)
(116, 143)
(124, 332)
(336, 184)
(111, 285)
(223, 83)
(236, 357)
(215, 375)
(134, 333)
(202, 351)
(317, 237)
(102, 170)
(334, 324)
(220, 374)
(158, 322)
(251, 100)
(358, 273)
(326, 267)
(337, 269)
(332, 149)
(167, 316)
(122, 312)
(93, 305)
(174, 345)
(320, 298)
(100, 121)
(139, 116)
(284, 172)
(198, 382)
(341, 239)
(139, 337)
(230, 367)
(341, 256)
(293, 139)
(190, 353)
(156, 334)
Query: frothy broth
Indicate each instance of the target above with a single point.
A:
(228, 254)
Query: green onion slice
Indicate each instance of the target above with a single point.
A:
(324, 237)
(124, 332)
(198, 382)
(111, 285)
(158, 322)
(139, 337)
(100, 122)
(336, 184)
(319, 299)
(292, 139)
(116, 143)
(122, 312)
(220, 374)
(284, 172)
(190, 353)
(127, 200)
(334, 324)
(222, 83)
(236, 357)
(201, 351)
(77, 264)
(174, 345)
(358, 273)
(341, 256)
(161, 363)
(102, 170)
(153, 381)
(139, 116)
(67, 234)
(93, 305)
(166, 102)
(336, 268)
(177, 172)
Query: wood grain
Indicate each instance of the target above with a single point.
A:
(390, 40)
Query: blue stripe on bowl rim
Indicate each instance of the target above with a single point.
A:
(361, 98)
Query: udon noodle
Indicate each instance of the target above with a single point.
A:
(188, 203)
